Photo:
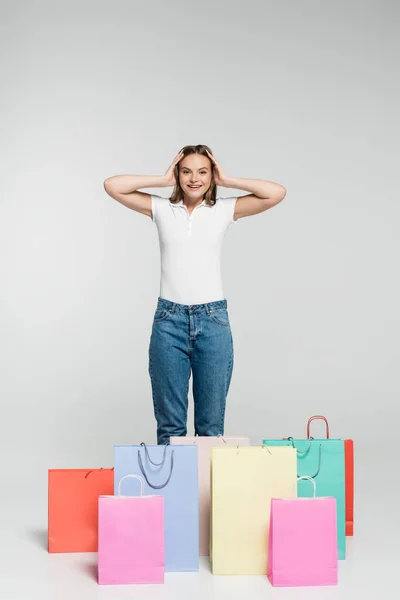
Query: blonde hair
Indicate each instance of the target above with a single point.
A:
(211, 194)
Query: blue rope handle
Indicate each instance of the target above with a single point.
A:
(148, 456)
(155, 487)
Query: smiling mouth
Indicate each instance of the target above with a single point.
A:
(194, 187)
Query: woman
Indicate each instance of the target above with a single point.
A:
(191, 334)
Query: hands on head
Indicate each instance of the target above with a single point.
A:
(170, 175)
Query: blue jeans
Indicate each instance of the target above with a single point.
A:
(189, 340)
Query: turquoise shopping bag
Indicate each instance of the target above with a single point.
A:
(323, 460)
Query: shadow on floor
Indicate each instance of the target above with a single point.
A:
(90, 569)
(38, 537)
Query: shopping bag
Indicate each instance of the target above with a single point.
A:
(204, 444)
(349, 474)
(349, 470)
(73, 507)
(323, 460)
(303, 541)
(243, 481)
(173, 473)
(131, 537)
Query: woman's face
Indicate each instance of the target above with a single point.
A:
(195, 175)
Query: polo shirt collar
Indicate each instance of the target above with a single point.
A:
(180, 203)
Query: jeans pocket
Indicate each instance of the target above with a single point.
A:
(219, 316)
(161, 314)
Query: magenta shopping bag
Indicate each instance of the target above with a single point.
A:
(303, 541)
(131, 538)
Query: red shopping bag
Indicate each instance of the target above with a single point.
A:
(73, 496)
(349, 474)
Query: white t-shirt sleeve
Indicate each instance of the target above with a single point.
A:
(157, 204)
(228, 207)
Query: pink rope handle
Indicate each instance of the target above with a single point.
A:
(316, 417)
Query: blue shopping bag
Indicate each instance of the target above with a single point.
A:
(173, 473)
(323, 460)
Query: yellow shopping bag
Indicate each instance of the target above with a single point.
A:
(243, 480)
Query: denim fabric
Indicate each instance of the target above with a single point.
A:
(190, 340)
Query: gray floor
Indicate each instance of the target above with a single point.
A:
(29, 572)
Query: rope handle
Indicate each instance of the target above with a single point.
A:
(309, 479)
(316, 418)
(133, 477)
(305, 451)
(155, 487)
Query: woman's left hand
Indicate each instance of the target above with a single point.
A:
(220, 176)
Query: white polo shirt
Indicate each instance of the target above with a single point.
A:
(190, 248)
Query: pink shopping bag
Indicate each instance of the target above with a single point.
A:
(303, 541)
(131, 538)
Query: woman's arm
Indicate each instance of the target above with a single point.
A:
(123, 188)
(264, 194)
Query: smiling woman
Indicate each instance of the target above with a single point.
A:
(195, 175)
(191, 333)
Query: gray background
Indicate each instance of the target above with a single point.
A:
(302, 93)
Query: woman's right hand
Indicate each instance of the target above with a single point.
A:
(169, 176)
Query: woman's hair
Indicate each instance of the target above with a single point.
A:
(211, 194)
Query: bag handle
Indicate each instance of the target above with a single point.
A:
(133, 477)
(219, 435)
(290, 439)
(91, 471)
(148, 456)
(155, 487)
(317, 417)
(310, 479)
